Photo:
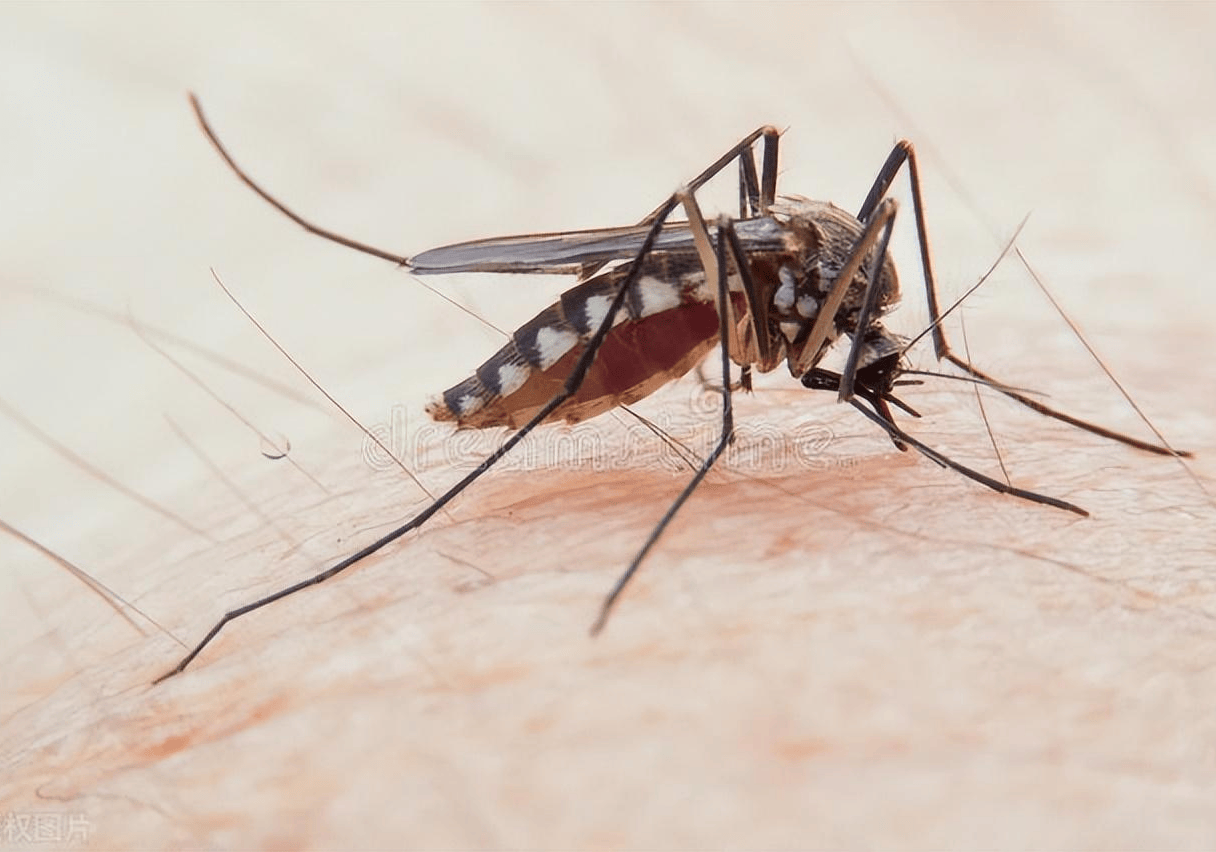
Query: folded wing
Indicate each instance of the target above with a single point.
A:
(572, 252)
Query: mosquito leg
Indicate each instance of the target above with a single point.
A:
(902, 153)
(728, 429)
(755, 311)
(766, 191)
(759, 197)
(753, 199)
(745, 375)
(768, 175)
(768, 179)
(886, 214)
(995, 484)
(400, 260)
(821, 379)
(869, 303)
(749, 188)
(708, 385)
(571, 386)
(768, 185)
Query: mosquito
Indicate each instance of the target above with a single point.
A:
(786, 280)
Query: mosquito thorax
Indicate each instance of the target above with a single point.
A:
(819, 238)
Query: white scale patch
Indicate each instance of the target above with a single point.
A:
(808, 306)
(783, 299)
(468, 404)
(511, 377)
(698, 288)
(552, 344)
(595, 308)
(656, 296)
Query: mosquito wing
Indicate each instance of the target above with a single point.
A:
(574, 251)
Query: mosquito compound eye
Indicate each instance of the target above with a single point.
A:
(888, 365)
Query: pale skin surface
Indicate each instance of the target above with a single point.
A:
(860, 650)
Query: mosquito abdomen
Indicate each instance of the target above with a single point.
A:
(666, 326)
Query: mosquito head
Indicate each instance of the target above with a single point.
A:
(880, 363)
(880, 376)
(881, 360)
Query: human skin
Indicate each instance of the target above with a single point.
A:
(855, 649)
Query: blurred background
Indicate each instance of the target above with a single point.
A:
(137, 405)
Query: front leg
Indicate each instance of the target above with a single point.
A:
(905, 153)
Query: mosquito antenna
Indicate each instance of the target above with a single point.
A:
(821, 378)
(400, 260)
(1008, 245)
